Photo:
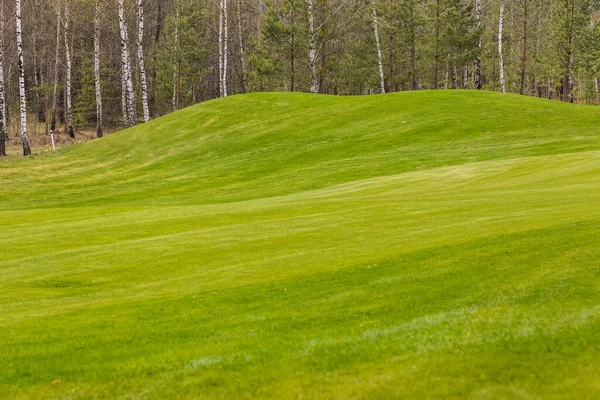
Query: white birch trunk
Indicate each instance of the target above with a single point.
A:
(126, 68)
(221, 23)
(36, 75)
(3, 136)
(22, 94)
(69, 99)
(97, 76)
(312, 48)
(225, 46)
(220, 48)
(141, 61)
(124, 108)
(56, 67)
(124, 95)
(379, 57)
(500, 55)
(175, 101)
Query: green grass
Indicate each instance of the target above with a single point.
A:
(413, 245)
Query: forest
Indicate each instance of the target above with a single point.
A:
(70, 66)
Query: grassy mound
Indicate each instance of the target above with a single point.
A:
(414, 245)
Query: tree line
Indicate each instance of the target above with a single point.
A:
(69, 65)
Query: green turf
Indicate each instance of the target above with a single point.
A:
(414, 245)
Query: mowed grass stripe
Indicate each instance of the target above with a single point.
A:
(492, 307)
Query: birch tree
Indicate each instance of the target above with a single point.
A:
(142, 64)
(37, 75)
(223, 47)
(56, 70)
(177, 62)
(379, 57)
(3, 136)
(500, 53)
(127, 79)
(69, 98)
(124, 109)
(22, 94)
(312, 48)
(97, 77)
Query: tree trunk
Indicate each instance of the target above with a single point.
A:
(124, 95)
(69, 99)
(454, 77)
(141, 61)
(175, 101)
(500, 55)
(160, 20)
(391, 77)
(126, 68)
(221, 23)
(97, 76)
(312, 49)
(56, 73)
(570, 95)
(3, 136)
(379, 57)
(292, 48)
(225, 47)
(524, 53)
(22, 94)
(477, 73)
(36, 75)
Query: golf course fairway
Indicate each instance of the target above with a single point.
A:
(422, 245)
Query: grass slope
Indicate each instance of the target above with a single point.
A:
(414, 245)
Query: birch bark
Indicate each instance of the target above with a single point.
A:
(141, 61)
(225, 46)
(312, 48)
(3, 136)
(500, 55)
(22, 94)
(379, 57)
(126, 68)
(37, 76)
(124, 95)
(391, 85)
(69, 99)
(175, 101)
(97, 77)
(221, 8)
(56, 65)
(524, 52)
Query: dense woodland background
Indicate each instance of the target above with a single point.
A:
(195, 50)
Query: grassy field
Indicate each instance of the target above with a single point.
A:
(415, 245)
